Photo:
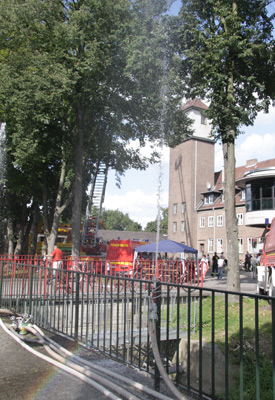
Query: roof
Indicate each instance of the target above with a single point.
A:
(166, 246)
(107, 235)
(240, 172)
(195, 103)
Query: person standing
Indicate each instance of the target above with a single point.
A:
(57, 257)
(204, 265)
(215, 264)
(220, 267)
(57, 260)
(247, 264)
(254, 264)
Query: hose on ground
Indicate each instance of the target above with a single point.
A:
(160, 366)
(51, 349)
(84, 378)
(26, 339)
(128, 381)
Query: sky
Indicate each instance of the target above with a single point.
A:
(139, 192)
(142, 191)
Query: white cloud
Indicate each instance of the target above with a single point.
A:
(261, 147)
(140, 207)
(257, 146)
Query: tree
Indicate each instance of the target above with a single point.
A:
(121, 93)
(115, 220)
(227, 52)
(152, 225)
(33, 94)
(80, 80)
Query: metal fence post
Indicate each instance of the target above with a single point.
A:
(1, 282)
(158, 302)
(30, 297)
(76, 307)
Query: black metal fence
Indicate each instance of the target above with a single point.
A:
(215, 344)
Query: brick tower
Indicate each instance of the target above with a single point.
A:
(191, 173)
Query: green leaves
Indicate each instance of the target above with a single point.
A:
(116, 220)
(227, 49)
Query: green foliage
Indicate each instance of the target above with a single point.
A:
(116, 220)
(228, 59)
(249, 359)
(152, 225)
(79, 81)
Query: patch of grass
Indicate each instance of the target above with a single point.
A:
(217, 317)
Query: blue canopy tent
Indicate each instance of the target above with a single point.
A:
(168, 246)
(165, 246)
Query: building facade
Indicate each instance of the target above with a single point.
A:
(196, 203)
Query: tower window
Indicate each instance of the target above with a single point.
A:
(203, 119)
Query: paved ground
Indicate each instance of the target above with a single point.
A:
(248, 283)
(23, 376)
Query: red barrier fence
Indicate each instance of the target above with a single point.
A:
(16, 271)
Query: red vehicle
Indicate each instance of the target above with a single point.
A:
(120, 255)
(266, 269)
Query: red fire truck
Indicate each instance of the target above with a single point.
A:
(266, 269)
(120, 255)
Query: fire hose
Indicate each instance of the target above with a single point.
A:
(76, 368)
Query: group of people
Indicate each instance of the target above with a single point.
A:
(251, 263)
(218, 263)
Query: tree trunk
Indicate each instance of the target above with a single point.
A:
(10, 235)
(34, 227)
(233, 273)
(20, 239)
(45, 216)
(52, 237)
(77, 203)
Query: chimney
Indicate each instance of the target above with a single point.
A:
(251, 163)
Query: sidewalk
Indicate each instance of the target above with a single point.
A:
(23, 376)
(248, 283)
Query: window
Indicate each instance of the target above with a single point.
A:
(220, 220)
(209, 199)
(260, 195)
(240, 219)
(243, 194)
(174, 227)
(175, 208)
(219, 246)
(182, 226)
(210, 221)
(202, 222)
(203, 119)
(252, 245)
(183, 207)
(240, 241)
(210, 245)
